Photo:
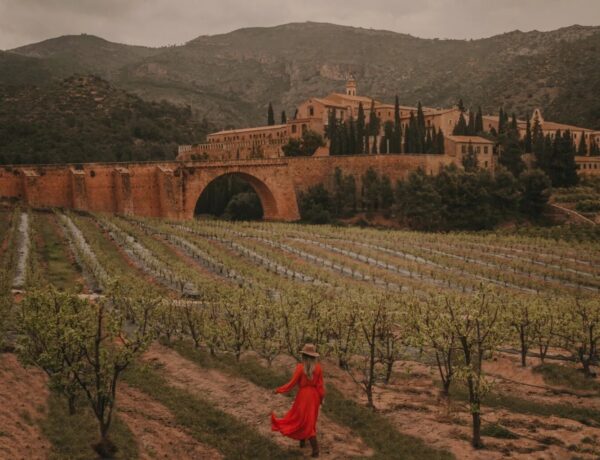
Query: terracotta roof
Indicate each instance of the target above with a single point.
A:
(472, 139)
(563, 127)
(245, 130)
(328, 103)
(353, 98)
(545, 124)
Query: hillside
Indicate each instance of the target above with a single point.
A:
(230, 78)
(84, 118)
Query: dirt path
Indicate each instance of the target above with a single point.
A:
(413, 403)
(23, 397)
(155, 430)
(252, 404)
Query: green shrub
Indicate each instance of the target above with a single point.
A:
(588, 206)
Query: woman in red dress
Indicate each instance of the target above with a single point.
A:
(300, 422)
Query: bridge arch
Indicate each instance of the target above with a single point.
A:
(267, 197)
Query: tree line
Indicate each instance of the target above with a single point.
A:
(454, 199)
(367, 135)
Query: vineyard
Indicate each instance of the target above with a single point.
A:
(137, 338)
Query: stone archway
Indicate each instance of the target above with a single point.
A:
(268, 198)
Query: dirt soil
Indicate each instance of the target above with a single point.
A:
(23, 399)
(525, 383)
(252, 404)
(81, 281)
(195, 265)
(413, 403)
(155, 430)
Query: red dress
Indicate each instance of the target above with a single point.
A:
(301, 420)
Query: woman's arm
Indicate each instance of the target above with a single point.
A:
(292, 383)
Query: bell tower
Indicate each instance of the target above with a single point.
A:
(351, 86)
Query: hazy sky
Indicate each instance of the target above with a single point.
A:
(164, 22)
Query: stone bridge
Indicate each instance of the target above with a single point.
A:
(171, 189)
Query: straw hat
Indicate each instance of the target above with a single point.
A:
(309, 349)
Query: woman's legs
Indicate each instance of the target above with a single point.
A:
(315, 446)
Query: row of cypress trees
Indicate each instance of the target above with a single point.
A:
(361, 136)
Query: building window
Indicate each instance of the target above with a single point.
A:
(294, 129)
(303, 128)
(478, 149)
(485, 149)
(311, 111)
(486, 164)
(463, 148)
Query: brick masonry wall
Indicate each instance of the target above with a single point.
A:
(171, 189)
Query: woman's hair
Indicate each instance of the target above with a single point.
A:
(309, 365)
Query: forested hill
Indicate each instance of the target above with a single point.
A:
(230, 78)
(83, 118)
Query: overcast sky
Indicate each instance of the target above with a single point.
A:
(165, 22)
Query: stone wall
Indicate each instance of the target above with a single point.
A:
(171, 189)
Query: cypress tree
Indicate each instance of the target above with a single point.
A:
(471, 126)
(501, 123)
(383, 145)
(413, 136)
(594, 149)
(283, 117)
(546, 155)
(420, 118)
(562, 168)
(582, 149)
(343, 138)
(429, 142)
(387, 140)
(461, 105)
(538, 142)
(270, 115)
(469, 161)
(511, 154)
(407, 139)
(352, 150)
(421, 129)
(479, 121)
(567, 161)
(441, 147)
(461, 128)
(528, 141)
(396, 144)
(513, 124)
(332, 133)
(360, 129)
(373, 126)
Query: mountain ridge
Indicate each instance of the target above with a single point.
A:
(230, 78)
